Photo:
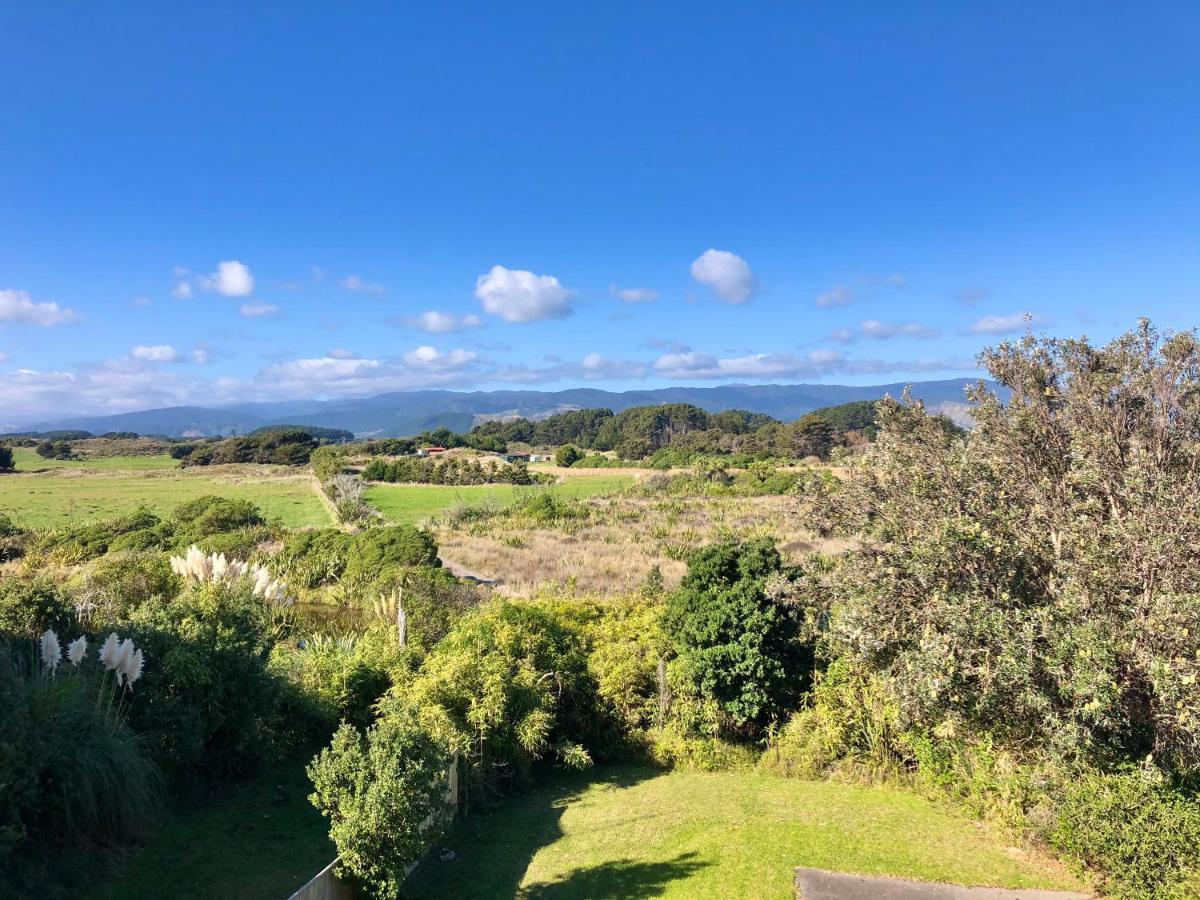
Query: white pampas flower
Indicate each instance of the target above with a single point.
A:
(121, 657)
(108, 651)
(218, 568)
(132, 667)
(76, 650)
(51, 651)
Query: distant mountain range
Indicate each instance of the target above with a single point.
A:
(400, 414)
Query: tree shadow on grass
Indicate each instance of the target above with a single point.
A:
(620, 878)
(492, 850)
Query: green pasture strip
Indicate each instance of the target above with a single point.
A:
(61, 498)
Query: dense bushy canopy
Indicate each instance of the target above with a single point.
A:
(1040, 578)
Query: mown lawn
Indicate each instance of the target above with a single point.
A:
(413, 503)
(627, 832)
(74, 494)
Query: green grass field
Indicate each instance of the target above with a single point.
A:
(413, 503)
(65, 494)
(28, 461)
(638, 833)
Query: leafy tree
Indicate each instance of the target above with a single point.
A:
(1038, 579)
(736, 644)
(6, 459)
(567, 455)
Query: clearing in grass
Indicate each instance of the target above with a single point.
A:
(627, 832)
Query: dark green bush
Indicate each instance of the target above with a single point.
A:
(210, 514)
(207, 704)
(30, 606)
(736, 644)
(378, 552)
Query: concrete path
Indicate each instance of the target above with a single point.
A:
(816, 884)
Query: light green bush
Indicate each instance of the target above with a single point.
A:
(384, 793)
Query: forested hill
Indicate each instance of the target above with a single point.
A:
(412, 412)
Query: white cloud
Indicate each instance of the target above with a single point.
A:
(1007, 324)
(202, 354)
(726, 273)
(816, 364)
(859, 289)
(257, 309)
(841, 295)
(593, 367)
(359, 286)
(516, 295)
(141, 302)
(18, 308)
(155, 353)
(342, 353)
(232, 279)
(634, 294)
(436, 322)
(754, 365)
(3, 357)
(426, 357)
(873, 329)
(182, 290)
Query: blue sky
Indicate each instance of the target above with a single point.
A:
(222, 202)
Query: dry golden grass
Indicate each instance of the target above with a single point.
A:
(612, 550)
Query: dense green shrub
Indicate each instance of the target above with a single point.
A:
(737, 644)
(310, 559)
(210, 515)
(378, 552)
(207, 705)
(384, 793)
(507, 687)
(30, 606)
(341, 679)
(1038, 580)
(455, 470)
(285, 447)
(1143, 836)
(567, 455)
(6, 459)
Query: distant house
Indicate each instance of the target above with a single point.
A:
(538, 457)
(516, 457)
(430, 451)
